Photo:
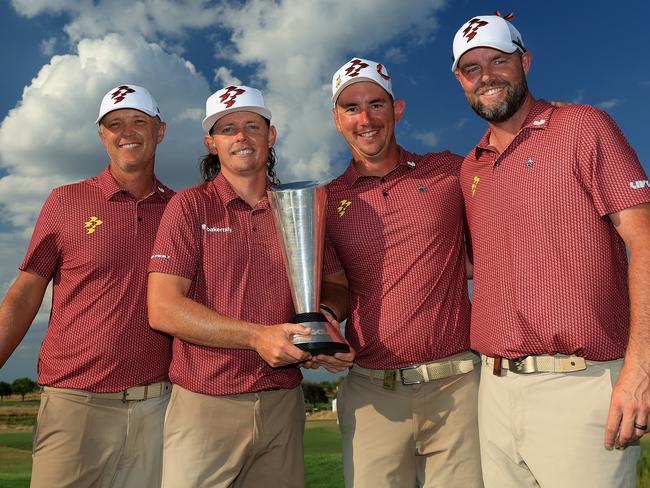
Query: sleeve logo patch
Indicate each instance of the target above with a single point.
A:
(637, 185)
(91, 224)
(160, 256)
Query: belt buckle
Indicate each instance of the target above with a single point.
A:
(406, 382)
(523, 365)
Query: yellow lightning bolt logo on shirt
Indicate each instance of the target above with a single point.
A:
(343, 205)
(475, 184)
(91, 224)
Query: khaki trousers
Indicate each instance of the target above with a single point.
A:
(418, 435)
(248, 440)
(547, 429)
(80, 441)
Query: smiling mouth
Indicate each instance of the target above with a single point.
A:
(368, 134)
(131, 145)
(492, 91)
(243, 152)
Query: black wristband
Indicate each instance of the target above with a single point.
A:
(329, 311)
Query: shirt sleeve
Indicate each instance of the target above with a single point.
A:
(44, 251)
(608, 164)
(176, 250)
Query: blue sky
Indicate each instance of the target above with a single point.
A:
(61, 56)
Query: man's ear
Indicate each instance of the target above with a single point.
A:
(526, 61)
(162, 127)
(335, 115)
(273, 134)
(207, 142)
(399, 106)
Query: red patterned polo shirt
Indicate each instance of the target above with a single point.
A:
(399, 239)
(550, 270)
(232, 254)
(93, 239)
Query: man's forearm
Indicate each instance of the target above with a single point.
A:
(192, 322)
(17, 311)
(638, 349)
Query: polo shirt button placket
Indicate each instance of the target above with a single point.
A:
(384, 192)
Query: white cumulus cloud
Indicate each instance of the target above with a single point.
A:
(50, 137)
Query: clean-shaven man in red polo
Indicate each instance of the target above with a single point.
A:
(407, 409)
(553, 197)
(104, 371)
(218, 284)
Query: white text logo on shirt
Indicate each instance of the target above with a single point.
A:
(637, 185)
(160, 256)
(215, 229)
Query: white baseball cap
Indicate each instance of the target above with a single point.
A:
(357, 70)
(486, 31)
(233, 99)
(128, 96)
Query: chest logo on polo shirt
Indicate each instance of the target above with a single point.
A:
(475, 184)
(216, 229)
(529, 162)
(343, 206)
(91, 224)
(422, 188)
(637, 185)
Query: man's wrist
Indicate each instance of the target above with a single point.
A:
(329, 310)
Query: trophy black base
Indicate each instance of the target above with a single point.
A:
(320, 342)
(327, 348)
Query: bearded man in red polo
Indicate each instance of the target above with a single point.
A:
(553, 196)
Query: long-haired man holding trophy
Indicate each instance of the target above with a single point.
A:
(218, 284)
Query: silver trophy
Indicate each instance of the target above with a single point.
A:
(299, 212)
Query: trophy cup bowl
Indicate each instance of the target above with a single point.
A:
(299, 214)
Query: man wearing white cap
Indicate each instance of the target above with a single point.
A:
(407, 409)
(103, 370)
(553, 197)
(217, 284)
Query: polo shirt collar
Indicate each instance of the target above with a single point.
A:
(538, 119)
(110, 187)
(227, 194)
(351, 174)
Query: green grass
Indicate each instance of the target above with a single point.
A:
(15, 459)
(15, 413)
(323, 464)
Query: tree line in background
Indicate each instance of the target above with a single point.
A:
(20, 386)
(316, 394)
(319, 394)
